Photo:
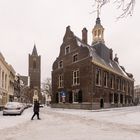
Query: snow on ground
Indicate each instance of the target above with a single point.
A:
(14, 120)
(127, 115)
(65, 124)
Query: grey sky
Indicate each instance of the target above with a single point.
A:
(43, 22)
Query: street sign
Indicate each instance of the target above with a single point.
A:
(63, 94)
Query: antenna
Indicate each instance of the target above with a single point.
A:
(98, 9)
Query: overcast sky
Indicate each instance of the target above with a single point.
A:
(43, 22)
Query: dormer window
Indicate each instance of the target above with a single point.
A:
(67, 49)
(60, 64)
(75, 58)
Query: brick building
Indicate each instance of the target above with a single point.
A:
(86, 76)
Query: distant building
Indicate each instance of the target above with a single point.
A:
(137, 94)
(17, 88)
(24, 89)
(86, 76)
(35, 73)
(24, 80)
(7, 75)
(11, 83)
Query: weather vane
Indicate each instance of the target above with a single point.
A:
(98, 7)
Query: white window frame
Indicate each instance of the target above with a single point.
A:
(76, 77)
(123, 85)
(105, 79)
(60, 64)
(5, 81)
(118, 84)
(2, 79)
(112, 83)
(60, 81)
(59, 97)
(75, 96)
(74, 61)
(127, 88)
(67, 47)
(98, 71)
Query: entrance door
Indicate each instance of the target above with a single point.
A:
(101, 103)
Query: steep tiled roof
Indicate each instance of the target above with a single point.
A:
(103, 60)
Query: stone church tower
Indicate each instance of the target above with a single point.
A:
(35, 73)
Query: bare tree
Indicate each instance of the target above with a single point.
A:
(126, 6)
(47, 86)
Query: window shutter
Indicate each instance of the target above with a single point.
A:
(70, 97)
(57, 97)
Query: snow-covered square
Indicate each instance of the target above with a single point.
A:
(64, 124)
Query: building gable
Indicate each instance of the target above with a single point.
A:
(71, 47)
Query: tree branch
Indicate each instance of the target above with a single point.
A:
(126, 6)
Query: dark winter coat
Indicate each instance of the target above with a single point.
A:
(36, 107)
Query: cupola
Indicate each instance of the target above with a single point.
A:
(98, 32)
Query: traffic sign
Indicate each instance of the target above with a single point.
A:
(63, 94)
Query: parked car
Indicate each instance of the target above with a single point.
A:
(13, 108)
(25, 105)
(29, 105)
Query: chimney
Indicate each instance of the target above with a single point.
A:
(116, 58)
(84, 35)
(111, 54)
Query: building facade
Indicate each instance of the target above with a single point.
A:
(11, 83)
(35, 74)
(7, 75)
(137, 94)
(87, 76)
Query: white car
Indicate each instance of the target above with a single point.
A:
(13, 108)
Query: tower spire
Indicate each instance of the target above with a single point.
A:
(34, 52)
(98, 30)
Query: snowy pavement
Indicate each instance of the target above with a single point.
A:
(64, 124)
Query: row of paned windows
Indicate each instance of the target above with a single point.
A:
(109, 81)
(119, 98)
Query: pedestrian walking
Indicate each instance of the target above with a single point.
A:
(36, 110)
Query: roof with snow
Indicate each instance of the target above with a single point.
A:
(101, 56)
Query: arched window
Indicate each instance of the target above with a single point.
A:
(95, 33)
(34, 64)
